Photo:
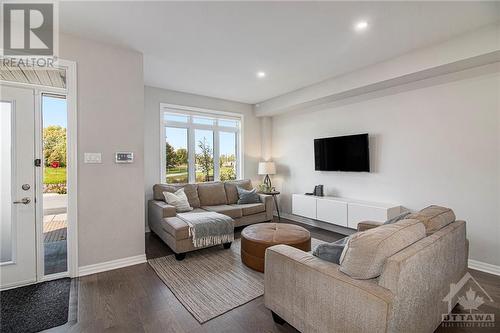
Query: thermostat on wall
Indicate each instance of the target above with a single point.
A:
(124, 157)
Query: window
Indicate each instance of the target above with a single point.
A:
(55, 224)
(7, 237)
(199, 146)
(176, 152)
(204, 158)
(227, 155)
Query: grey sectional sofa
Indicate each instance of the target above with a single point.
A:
(221, 197)
(411, 294)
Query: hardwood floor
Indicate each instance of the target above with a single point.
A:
(134, 299)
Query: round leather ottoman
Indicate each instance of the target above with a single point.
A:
(255, 239)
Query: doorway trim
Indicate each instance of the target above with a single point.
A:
(72, 170)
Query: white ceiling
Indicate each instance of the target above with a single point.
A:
(216, 48)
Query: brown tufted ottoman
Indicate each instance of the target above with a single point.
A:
(255, 239)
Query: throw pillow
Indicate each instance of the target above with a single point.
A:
(231, 187)
(179, 200)
(247, 197)
(331, 251)
(398, 218)
(366, 252)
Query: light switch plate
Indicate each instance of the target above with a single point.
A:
(92, 158)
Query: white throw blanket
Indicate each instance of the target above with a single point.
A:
(209, 228)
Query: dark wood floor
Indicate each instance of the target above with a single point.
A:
(134, 299)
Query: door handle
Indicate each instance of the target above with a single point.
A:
(23, 201)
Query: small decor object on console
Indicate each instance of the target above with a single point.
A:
(318, 190)
(267, 168)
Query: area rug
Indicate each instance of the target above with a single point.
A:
(212, 281)
(35, 308)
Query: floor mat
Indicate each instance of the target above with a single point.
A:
(36, 307)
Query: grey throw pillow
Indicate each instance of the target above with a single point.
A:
(398, 218)
(331, 251)
(247, 196)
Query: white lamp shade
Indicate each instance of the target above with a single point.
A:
(267, 168)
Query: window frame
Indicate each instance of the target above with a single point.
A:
(191, 112)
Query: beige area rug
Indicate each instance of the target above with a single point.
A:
(212, 281)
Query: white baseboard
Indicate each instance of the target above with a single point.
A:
(473, 264)
(17, 284)
(110, 265)
(484, 267)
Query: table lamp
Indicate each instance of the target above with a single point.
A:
(267, 168)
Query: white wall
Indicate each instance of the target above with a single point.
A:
(154, 96)
(434, 143)
(266, 134)
(110, 119)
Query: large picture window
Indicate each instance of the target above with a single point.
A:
(199, 146)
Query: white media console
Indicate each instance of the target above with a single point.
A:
(341, 211)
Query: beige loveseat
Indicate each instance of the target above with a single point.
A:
(220, 197)
(314, 295)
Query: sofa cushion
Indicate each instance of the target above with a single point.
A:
(212, 194)
(250, 209)
(189, 189)
(366, 252)
(231, 211)
(434, 218)
(231, 189)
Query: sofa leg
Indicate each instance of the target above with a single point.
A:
(227, 245)
(277, 319)
(180, 256)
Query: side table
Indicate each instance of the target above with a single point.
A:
(274, 194)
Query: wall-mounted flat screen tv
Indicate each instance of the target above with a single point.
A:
(342, 153)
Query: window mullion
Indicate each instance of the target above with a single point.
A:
(191, 156)
(238, 156)
(216, 155)
(163, 165)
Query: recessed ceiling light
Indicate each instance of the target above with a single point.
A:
(361, 26)
(261, 75)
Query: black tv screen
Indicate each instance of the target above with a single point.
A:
(342, 153)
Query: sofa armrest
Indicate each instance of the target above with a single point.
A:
(366, 225)
(159, 209)
(267, 200)
(314, 296)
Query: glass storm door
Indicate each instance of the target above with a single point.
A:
(17, 183)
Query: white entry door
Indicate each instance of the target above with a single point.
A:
(17, 194)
